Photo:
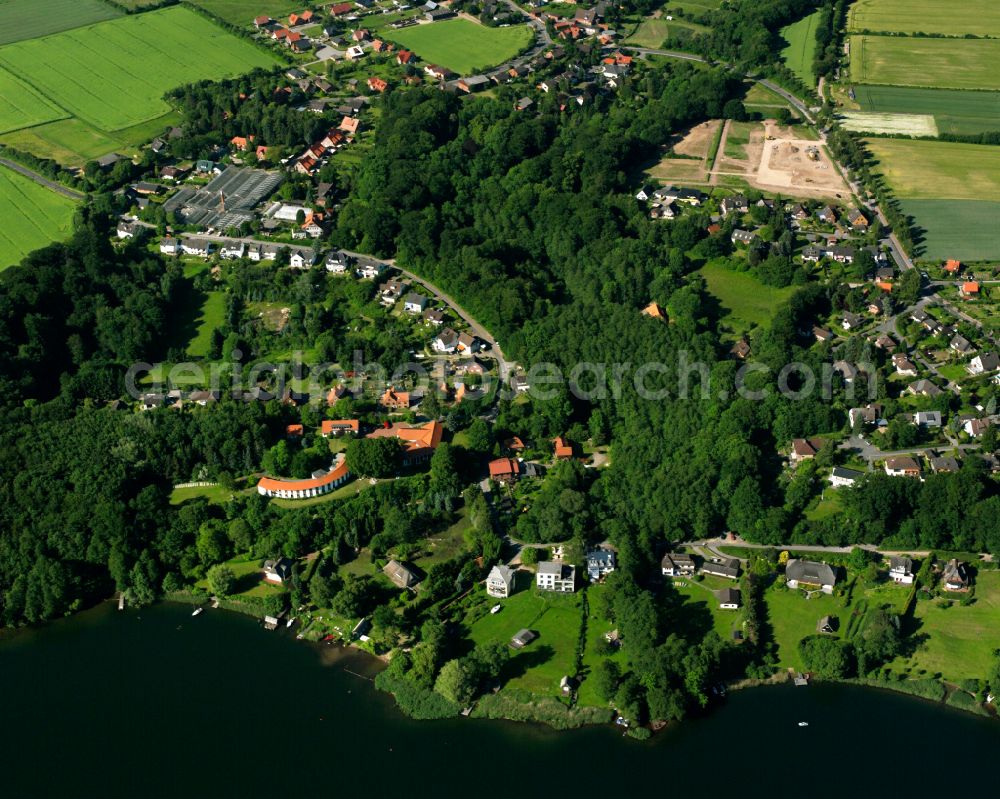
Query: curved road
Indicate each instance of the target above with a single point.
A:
(41, 180)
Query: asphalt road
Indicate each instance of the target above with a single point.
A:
(41, 180)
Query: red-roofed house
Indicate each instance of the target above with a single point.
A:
(300, 19)
(970, 288)
(419, 443)
(359, 35)
(292, 37)
(261, 152)
(341, 8)
(952, 267)
(403, 57)
(241, 142)
(279, 34)
(349, 125)
(294, 431)
(562, 449)
(260, 22)
(338, 427)
(377, 85)
(504, 470)
(395, 400)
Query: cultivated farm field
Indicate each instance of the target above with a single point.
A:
(798, 55)
(890, 124)
(32, 216)
(951, 18)
(29, 19)
(463, 46)
(938, 170)
(941, 63)
(23, 107)
(243, 12)
(963, 229)
(953, 111)
(113, 75)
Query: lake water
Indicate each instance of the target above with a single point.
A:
(156, 703)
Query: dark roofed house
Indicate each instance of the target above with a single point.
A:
(828, 625)
(955, 576)
(729, 598)
(901, 570)
(277, 571)
(811, 575)
(676, 564)
(722, 567)
(522, 639)
(399, 574)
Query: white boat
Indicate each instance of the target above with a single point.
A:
(495, 608)
(196, 611)
(290, 622)
(803, 723)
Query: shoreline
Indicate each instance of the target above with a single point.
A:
(779, 678)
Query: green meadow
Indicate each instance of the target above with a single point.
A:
(463, 46)
(942, 63)
(32, 216)
(951, 18)
(113, 75)
(800, 51)
(30, 19)
(954, 111)
(745, 301)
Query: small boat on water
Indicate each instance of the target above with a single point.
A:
(803, 723)
(196, 611)
(290, 622)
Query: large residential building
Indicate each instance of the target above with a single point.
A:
(320, 483)
(676, 565)
(556, 576)
(722, 567)
(418, 442)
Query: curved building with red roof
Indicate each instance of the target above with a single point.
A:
(302, 489)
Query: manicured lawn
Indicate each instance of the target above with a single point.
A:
(830, 505)
(249, 579)
(215, 494)
(954, 17)
(243, 12)
(963, 229)
(959, 640)
(30, 19)
(463, 46)
(113, 74)
(596, 628)
(701, 599)
(792, 617)
(211, 316)
(545, 661)
(32, 217)
(800, 51)
(954, 111)
(745, 301)
(938, 170)
(944, 63)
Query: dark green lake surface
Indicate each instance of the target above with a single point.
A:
(156, 703)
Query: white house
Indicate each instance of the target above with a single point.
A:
(927, 418)
(301, 259)
(675, 565)
(199, 247)
(125, 230)
(729, 598)
(600, 563)
(370, 270)
(556, 576)
(901, 570)
(277, 571)
(840, 477)
(981, 364)
(338, 262)
(500, 581)
(233, 250)
(446, 341)
(414, 303)
(170, 246)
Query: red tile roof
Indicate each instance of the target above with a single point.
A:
(277, 484)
